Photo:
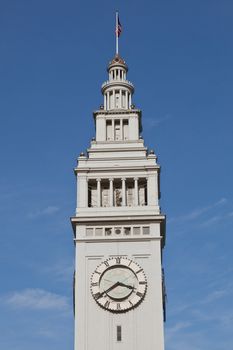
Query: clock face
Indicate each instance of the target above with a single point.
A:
(118, 284)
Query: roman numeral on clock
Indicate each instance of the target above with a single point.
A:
(140, 295)
(142, 282)
(118, 306)
(118, 260)
(107, 304)
(106, 263)
(95, 284)
(97, 295)
(139, 270)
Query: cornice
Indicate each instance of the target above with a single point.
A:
(117, 112)
(80, 220)
(115, 169)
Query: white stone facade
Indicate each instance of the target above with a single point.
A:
(118, 215)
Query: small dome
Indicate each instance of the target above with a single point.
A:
(117, 61)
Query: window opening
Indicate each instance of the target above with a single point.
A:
(89, 232)
(136, 230)
(129, 194)
(98, 231)
(117, 230)
(127, 231)
(117, 99)
(119, 335)
(125, 129)
(108, 129)
(123, 99)
(117, 195)
(117, 130)
(105, 195)
(146, 230)
(142, 188)
(92, 194)
(108, 231)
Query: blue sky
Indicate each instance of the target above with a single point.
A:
(53, 62)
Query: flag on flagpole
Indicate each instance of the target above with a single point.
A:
(118, 27)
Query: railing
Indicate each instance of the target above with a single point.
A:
(110, 82)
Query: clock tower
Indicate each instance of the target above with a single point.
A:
(119, 230)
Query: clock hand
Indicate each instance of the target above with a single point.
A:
(126, 285)
(109, 289)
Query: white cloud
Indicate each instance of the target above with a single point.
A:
(211, 221)
(153, 122)
(62, 270)
(37, 299)
(176, 328)
(217, 294)
(194, 214)
(44, 212)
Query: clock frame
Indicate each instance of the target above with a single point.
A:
(118, 284)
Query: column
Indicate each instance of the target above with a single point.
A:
(120, 97)
(113, 129)
(121, 128)
(108, 95)
(114, 100)
(98, 192)
(130, 100)
(123, 192)
(147, 190)
(136, 191)
(111, 192)
(126, 99)
(105, 101)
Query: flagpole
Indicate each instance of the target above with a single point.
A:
(117, 48)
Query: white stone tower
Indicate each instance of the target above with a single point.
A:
(119, 230)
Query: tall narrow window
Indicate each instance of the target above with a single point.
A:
(92, 194)
(125, 129)
(142, 187)
(129, 194)
(105, 195)
(123, 99)
(118, 335)
(117, 130)
(111, 101)
(117, 103)
(117, 194)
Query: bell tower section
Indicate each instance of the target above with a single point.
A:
(119, 230)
